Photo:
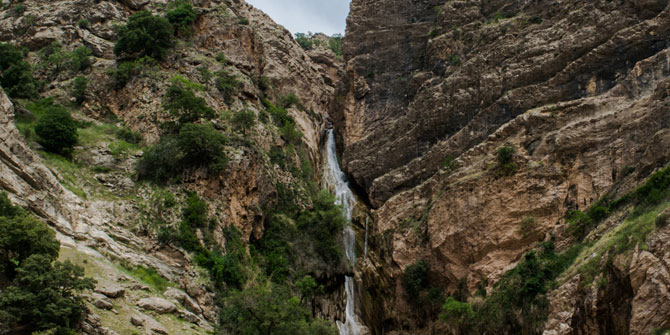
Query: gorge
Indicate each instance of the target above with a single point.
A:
(503, 167)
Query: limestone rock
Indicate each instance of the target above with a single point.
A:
(156, 304)
(110, 290)
(184, 299)
(101, 301)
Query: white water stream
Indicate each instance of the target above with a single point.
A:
(336, 181)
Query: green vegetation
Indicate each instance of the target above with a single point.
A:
(56, 129)
(183, 104)
(506, 160)
(243, 21)
(129, 136)
(83, 24)
(195, 146)
(518, 302)
(78, 89)
(419, 292)
(335, 44)
(244, 120)
(269, 309)
(128, 70)
(221, 58)
(149, 276)
(181, 15)
(38, 293)
(55, 60)
(16, 76)
(289, 100)
(449, 163)
(144, 35)
(304, 40)
(227, 84)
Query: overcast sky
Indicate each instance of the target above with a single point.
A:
(301, 16)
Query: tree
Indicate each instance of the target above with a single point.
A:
(181, 16)
(78, 91)
(308, 288)
(22, 236)
(269, 309)
(16, 76)
(457, 314)
(44, 296)
(227, 84)
(185, 105)
(244, 120)
(415, 279)
(57, 130)
(202, 145)
(144, 35)
(305, 41)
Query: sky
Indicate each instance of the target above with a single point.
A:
(301, 16)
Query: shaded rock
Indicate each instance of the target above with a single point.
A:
(184, 299)
(101, 301)
(134, 4)
(110, 290)
(156, 304)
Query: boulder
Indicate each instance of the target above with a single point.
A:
(158, 305)
(110, 290)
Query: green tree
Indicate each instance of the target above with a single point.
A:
(57, 130)
(79, 59)
(22, 236)
(161, 161)
(457, 314)
(323, 223)
(16, 76)
(308, 288)
(335, 44)
(415, 279)
(44, 296)
(227, 84)
(78, 90)
(268, 310)
(185, 105)
(304, 40)
(181, 16)
(144, 35)
(244, 120)
(202, 145)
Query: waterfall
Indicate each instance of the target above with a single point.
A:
(337, 182)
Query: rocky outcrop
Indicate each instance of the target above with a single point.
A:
(430, 79)
(582, 101)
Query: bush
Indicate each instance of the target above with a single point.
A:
(127, 71)
(78, 90)
(458, 314)
(323, 223)
(305, 41)
(181, 16)
(415, 279)
(289, 100)
(129, 136)
(227, 84)
(16, 76)
(23, 236)
(202, 145)
(335, 44)
(160, 162)
(243, 21)
(57, 130)
(221, 58)
(244, 120)
(80, 59)
(83, 24)
(183, 104)
(144, 35)
(505, 155)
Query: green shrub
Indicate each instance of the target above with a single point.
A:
(264, 83)
(243, 21)
(244, 120)
(449, 163)
(181, 16)
(161, 161)
(335, 44)
(269, 309)
(323, 223)
(415, 279)
(16, 76)
(78, 90)
(195, 211)
(221, 58)
(289, 100)
(23, 236)
(227, 84)
(129, 136)
(144, 35)
(290, 134)
(57, 130)
(83, 24)
(80, 59)
(505, 155)
(183, 104)
(18, 9)
(458, 314)
(127, 71)
(202, 145)
(305, 41)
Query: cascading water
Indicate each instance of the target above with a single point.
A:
(337, 182)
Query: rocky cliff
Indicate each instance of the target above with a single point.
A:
(433, 89)
(106, 219)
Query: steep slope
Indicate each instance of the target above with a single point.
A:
(114, 224)
(434, 89)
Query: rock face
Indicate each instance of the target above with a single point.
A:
(579, 89)
(158, 305)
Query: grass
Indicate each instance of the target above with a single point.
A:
(148, 276)
(70, 173)
(632, 232)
